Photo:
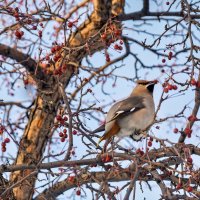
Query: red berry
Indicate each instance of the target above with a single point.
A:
(65, 135)
(71, 179)
(149, 143)
(61, 134)
(62, 122)
(166, 90)
(34, 27)
(170, 54)
(116, 46)
(198, 84)
(163, 71)
(179, 186)
(192, 118)
(3, 144)
(141, 153)
(16, 15)
(138, 151)
(40, 33)
(89, 90)
(16, 9)
(188, 131)
(120, 48)
(65, 131)
(56, 57)
(73, 152)
(104, 36)
(189, 189)
(170, 87)
(62, 139)
(59, 117)
(70, 24)
(189, 160)
(7, 140)
(118, 32)
(175, 87)
(193, 82)
(47, 57)
(107, 58)
(78, 192)
(163, 60)
(57, 47)
(94, 165)
(164, 84)
(26, 82)
(53, 50)
(3, 149)
(65, 118)
(18, 34)
(175, 130)
(74, 132)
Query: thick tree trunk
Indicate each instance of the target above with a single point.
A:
(33, 144)
(35, 138)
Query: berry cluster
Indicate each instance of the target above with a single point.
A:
(150, 142)
(26, 20)
(63, 135)
(139, 152)
(111, 34)
(3, 144)
(61, 120)
(193, 82)
(180, 186)
(169, 57)
(19, 34)
(168, 87)
(188, 132)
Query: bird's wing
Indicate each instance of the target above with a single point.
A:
(120, 109)
(125, 107)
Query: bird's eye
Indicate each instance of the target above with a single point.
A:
(143, 83)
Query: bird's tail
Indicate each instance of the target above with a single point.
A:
(112, 132)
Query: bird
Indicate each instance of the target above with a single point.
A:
(132, 115)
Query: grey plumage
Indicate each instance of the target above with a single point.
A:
(131, 115)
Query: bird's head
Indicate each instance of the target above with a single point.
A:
(144, 87)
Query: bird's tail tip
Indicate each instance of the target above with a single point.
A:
(100, 140)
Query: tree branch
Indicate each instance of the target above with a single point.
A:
(22, 59)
